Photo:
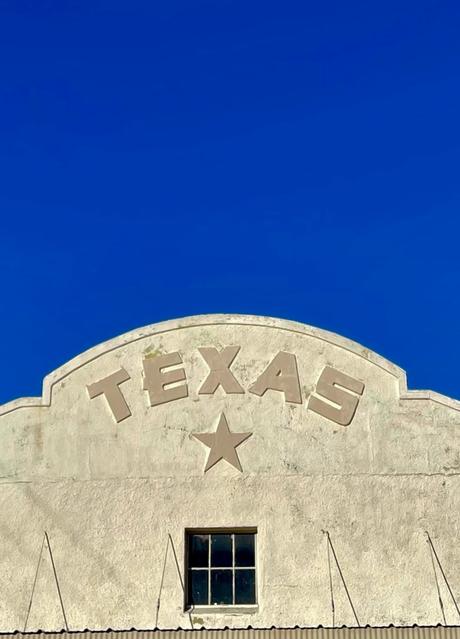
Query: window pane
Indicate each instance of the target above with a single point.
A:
(198, 587)
(221, 587)
(199, 551)
(221, 550)
(245, 586)
(244, 550)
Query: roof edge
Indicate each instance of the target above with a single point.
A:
(224, 319)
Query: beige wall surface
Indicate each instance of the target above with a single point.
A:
(110, 476)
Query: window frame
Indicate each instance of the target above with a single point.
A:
(234, 607)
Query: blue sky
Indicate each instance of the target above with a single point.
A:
(293, 159)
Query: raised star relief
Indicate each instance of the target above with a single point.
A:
(222, 444)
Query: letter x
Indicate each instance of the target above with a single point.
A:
(219, 363)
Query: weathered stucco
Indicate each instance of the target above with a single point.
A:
(108, 494)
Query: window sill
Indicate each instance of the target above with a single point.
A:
(227, 610)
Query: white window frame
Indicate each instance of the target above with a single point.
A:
(209, 607)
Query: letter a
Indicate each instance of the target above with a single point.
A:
(281, 375)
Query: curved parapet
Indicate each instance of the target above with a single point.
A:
(203, 321)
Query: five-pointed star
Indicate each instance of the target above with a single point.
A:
(223, 444)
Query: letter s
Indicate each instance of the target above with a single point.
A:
(345, 402)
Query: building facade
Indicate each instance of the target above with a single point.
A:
(229, 471)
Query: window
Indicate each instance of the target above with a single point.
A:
(221, 568)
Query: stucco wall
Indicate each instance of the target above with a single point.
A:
(108, 493)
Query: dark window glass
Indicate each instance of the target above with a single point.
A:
(221, 587)
(245, 586)
(221, 550)
(244, 550)
(198, 587)
(199, 551)
(221, 568)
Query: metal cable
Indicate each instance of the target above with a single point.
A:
(331, 587)
(437, 584)
(343, 579)
(442, 572)
(57, 582)
(170, 541)
(161, 583)
(34, 584)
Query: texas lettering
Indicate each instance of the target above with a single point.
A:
(335, 398)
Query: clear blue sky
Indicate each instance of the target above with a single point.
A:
(295, 159)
